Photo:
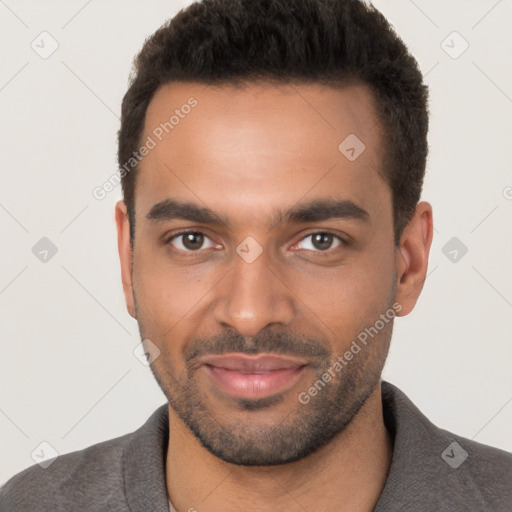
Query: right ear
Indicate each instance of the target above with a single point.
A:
(125, 255)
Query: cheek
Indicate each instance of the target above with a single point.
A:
(162, 309)
(350, 297)
(168, 296)
(372, 287)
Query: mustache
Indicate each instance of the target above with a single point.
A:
(267, 341)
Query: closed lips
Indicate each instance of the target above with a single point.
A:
(253, 364)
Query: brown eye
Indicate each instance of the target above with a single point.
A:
(321, 241)
(190, 241)
(193, 241)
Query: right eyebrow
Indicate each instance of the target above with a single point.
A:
(170, 209)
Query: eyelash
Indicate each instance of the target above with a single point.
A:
(343, 242)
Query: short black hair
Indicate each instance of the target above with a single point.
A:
(330, 42)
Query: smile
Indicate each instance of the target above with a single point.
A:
(253, 377)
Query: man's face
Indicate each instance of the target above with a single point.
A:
(253, 280)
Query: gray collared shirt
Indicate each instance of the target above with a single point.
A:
(431, 470)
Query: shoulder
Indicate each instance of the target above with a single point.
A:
(434, 469)
(124, 473)
(70, 479)
(483, 474)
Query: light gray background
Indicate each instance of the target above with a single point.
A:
(68, 375)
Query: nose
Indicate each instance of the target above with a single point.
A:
(253, 297)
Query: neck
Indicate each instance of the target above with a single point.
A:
(347, 474)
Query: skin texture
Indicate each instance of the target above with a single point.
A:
(247, 154)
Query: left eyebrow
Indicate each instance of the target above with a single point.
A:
(323, 209)
(316, 210)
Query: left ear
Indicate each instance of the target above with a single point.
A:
(125, 255)
(412, 257)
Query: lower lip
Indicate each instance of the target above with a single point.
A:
(254, 385)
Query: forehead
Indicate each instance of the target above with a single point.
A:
(259, 144)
